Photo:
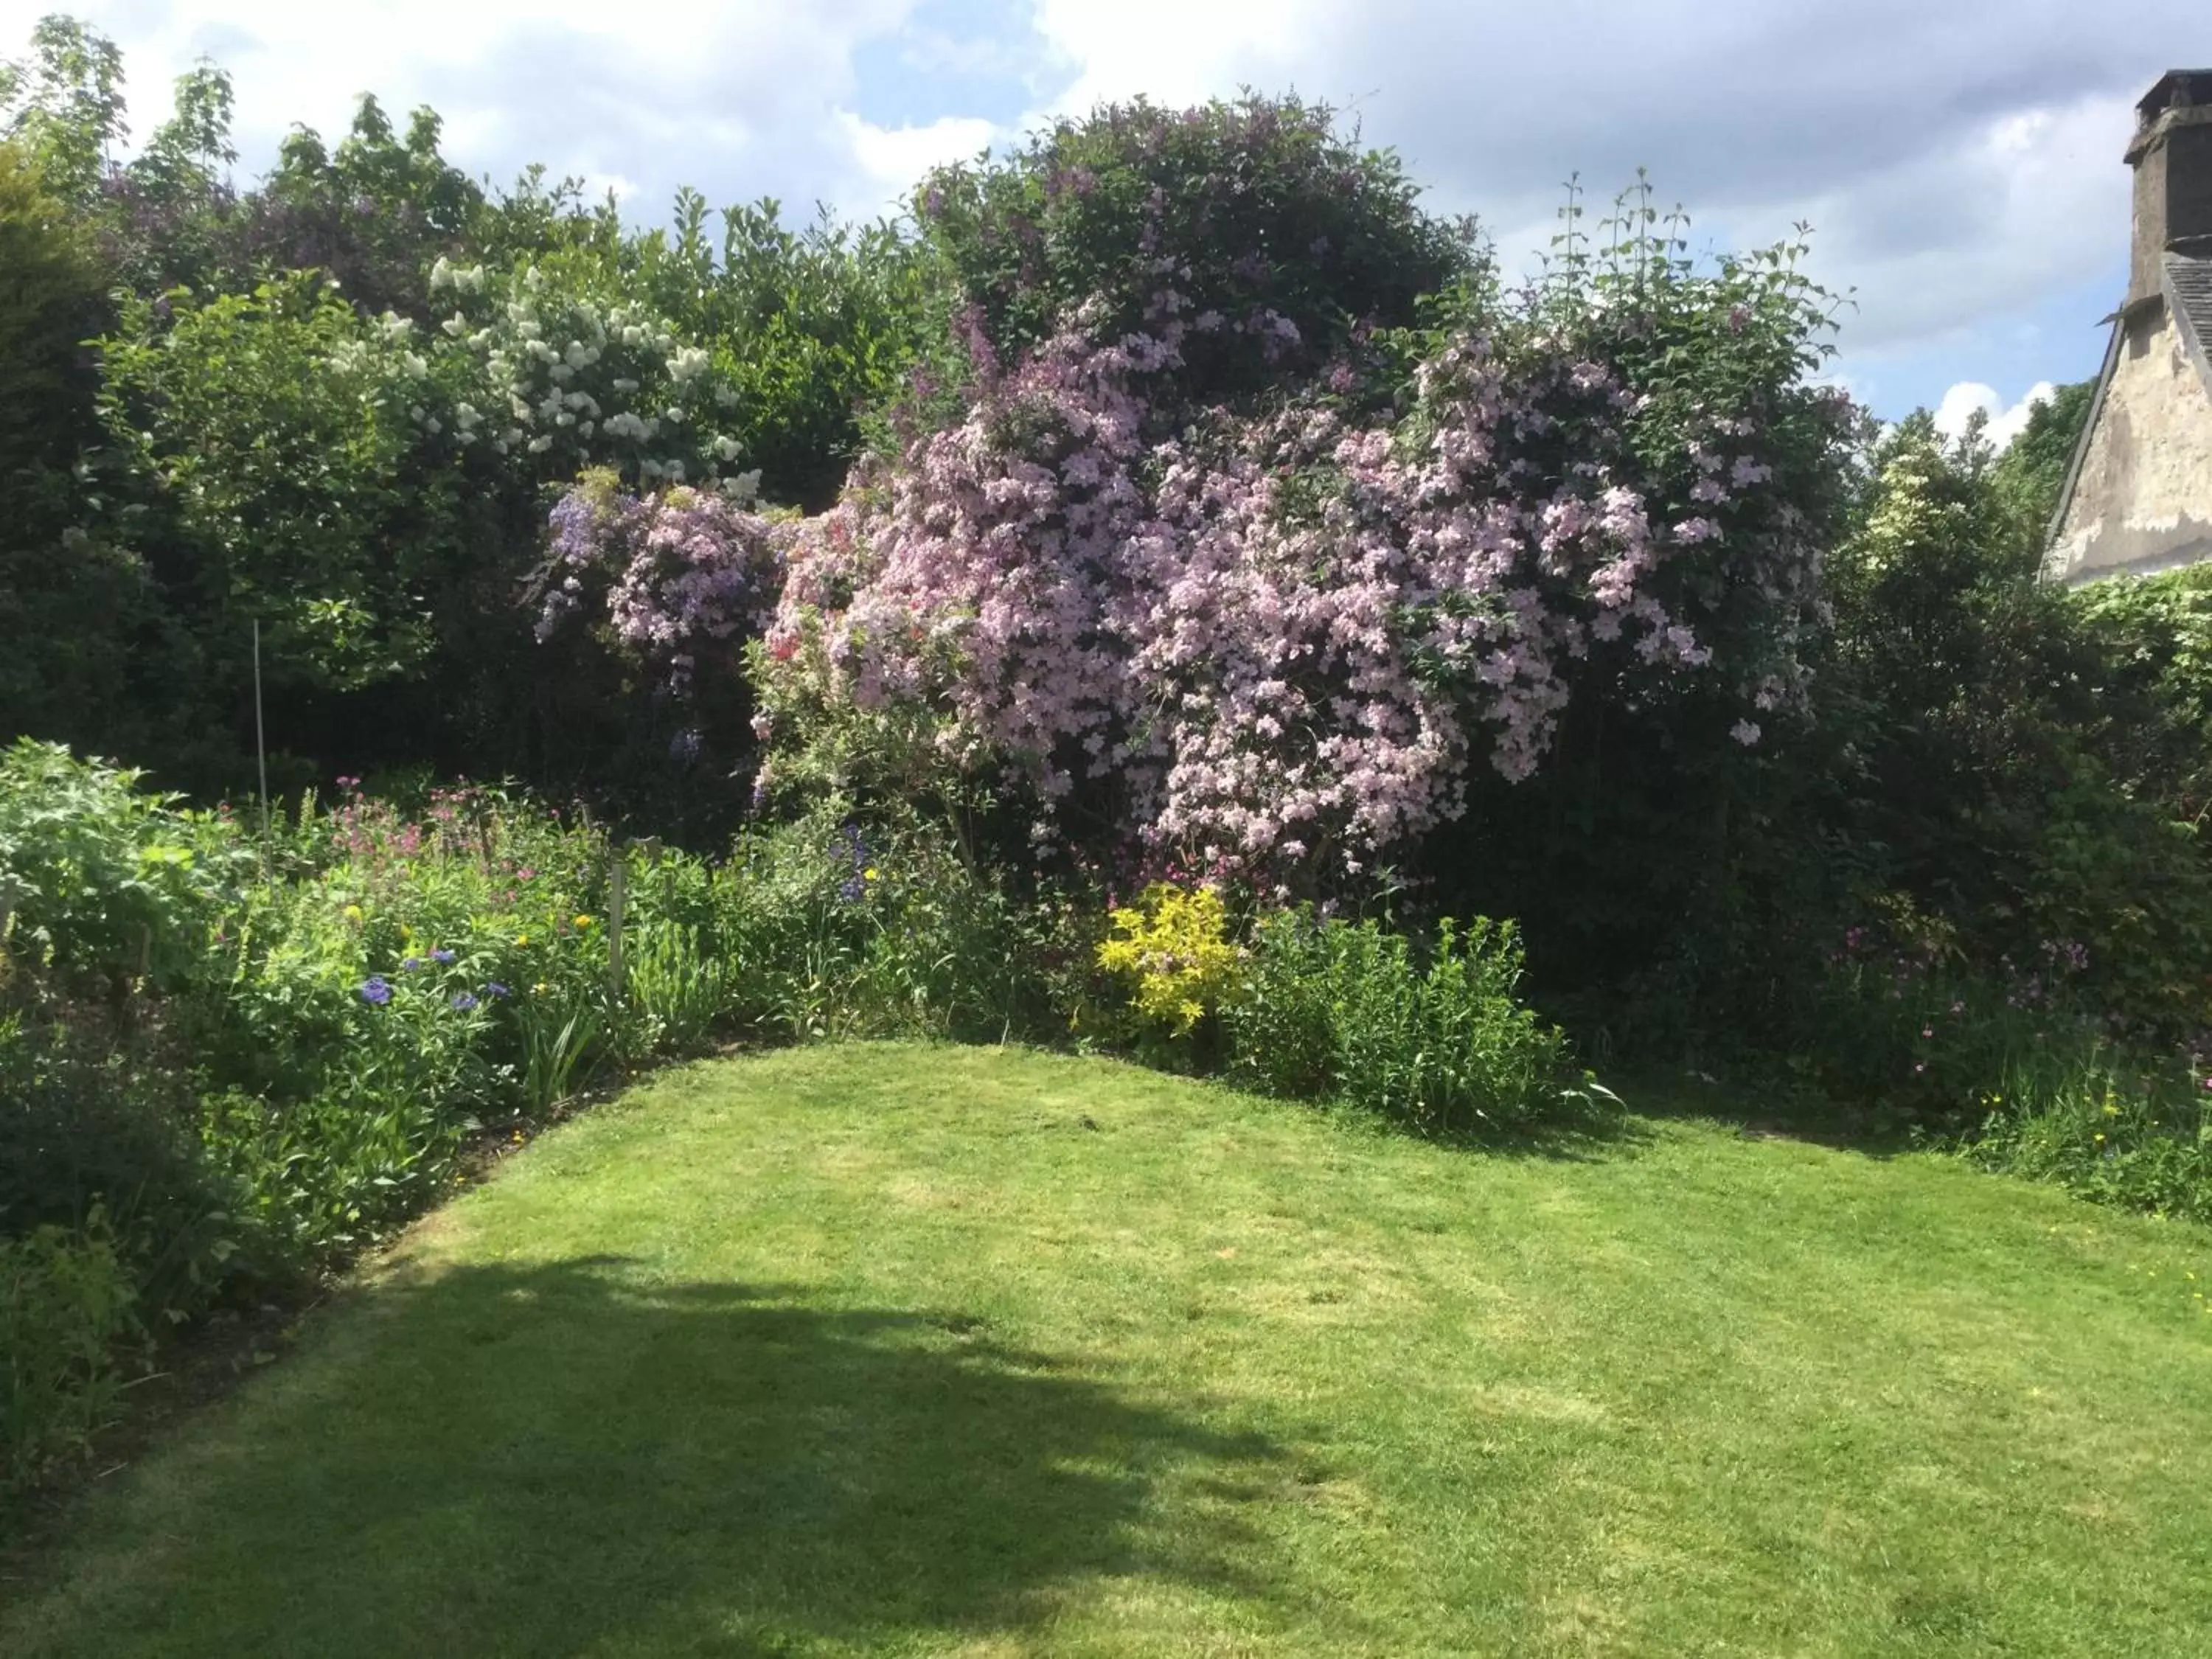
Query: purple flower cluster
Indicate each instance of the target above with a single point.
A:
(675, 575)
(1282, 644)
(1276, 643)
(855, 886)
(376, 990)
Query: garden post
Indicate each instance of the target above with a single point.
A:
(618, 891)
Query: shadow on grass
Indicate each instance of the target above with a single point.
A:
(1583, 1127)
(1584, 1132)
(572, 1460)
(1772, 1108)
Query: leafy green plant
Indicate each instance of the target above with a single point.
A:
(65, 1304)
(100, 878)
(90, 1128)
(1429, 1034)
(558, 1040)
(676, 986)
(327, 1177)
(1282, 1034)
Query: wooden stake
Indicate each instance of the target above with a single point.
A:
(617, 893)
(260, 742)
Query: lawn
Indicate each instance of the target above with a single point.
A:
(896, 1350)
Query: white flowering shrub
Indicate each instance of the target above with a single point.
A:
(552, 373)
(322, 466)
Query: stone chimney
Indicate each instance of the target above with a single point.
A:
(2171, 155)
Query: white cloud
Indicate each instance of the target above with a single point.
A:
(1174, 51)
(1968, 398)
(743, 98)
(1960, 163)
(893, 158)
(2022, 203)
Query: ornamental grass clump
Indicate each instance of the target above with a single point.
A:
(676, 987)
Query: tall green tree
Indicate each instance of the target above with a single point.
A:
(64, 103)
(2028, 475)
(69, 598)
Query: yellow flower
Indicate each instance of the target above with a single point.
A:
(583, 921)
(868, 874)
(522, 939)
(353, 913)
(541, 987)
(2111, 1110)
(2100, 1141)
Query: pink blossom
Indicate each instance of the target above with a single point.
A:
(1278, 639)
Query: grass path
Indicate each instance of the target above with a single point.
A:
(890, 1350)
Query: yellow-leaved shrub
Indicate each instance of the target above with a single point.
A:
(1174, 945)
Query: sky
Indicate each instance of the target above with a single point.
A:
(1958, 161)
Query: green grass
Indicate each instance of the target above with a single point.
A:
(890, 1350)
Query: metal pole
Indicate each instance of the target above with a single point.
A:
(260, 742)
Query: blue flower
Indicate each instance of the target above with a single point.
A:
(410, 965)
(375, 990)
(463, 1002)
(495, 989)
(854, 887)
(442, 956)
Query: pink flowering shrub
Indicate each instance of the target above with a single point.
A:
(1279, 637)
(1280, 643)
(674, 576)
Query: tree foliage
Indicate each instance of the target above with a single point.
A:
(1272, 234)
(64, 103)
(49, 304)
(69, 595)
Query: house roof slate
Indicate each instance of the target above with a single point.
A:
(2188, 287)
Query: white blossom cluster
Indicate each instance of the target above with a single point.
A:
(530, 368)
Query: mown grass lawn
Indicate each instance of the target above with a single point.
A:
(898, 1349)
